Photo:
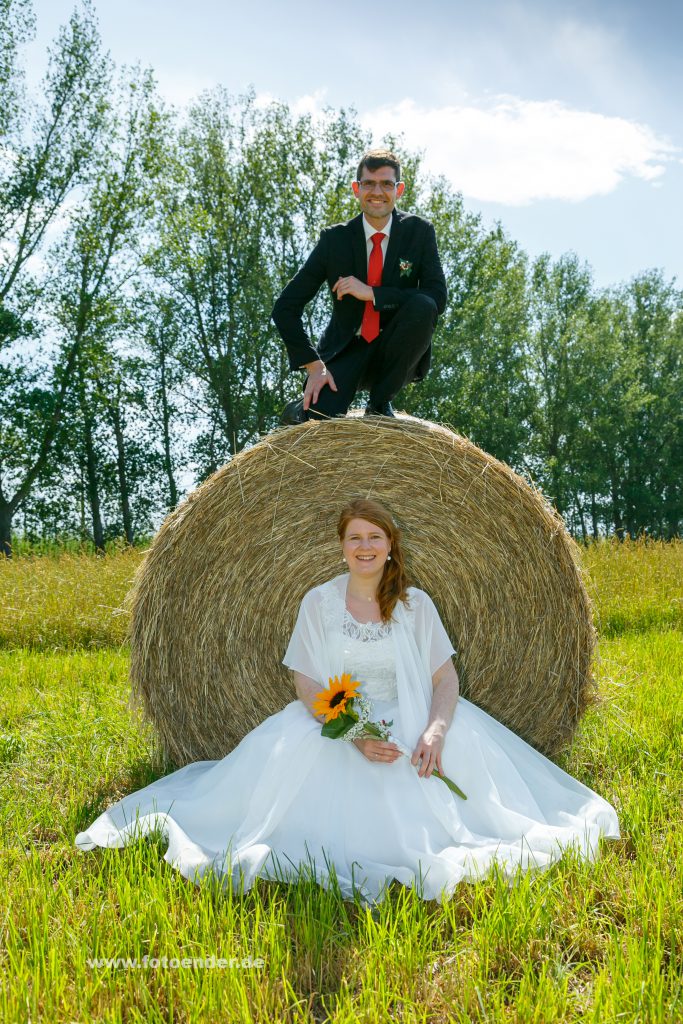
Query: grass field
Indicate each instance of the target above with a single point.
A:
(596, 942)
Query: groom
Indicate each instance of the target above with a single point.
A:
(387, 287)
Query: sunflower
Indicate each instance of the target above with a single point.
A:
(332, 701)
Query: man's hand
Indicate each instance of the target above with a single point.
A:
(429, 748)
(352, 286)
(318, 377)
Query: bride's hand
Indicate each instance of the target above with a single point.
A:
(378, 751)
(429, 747)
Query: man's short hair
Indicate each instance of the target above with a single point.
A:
(376, 158)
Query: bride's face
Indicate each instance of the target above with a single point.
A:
(365, 548)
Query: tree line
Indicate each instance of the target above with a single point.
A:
(141, 252)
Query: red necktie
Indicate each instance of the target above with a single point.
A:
(369, 327)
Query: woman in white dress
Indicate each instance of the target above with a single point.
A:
(359, 814)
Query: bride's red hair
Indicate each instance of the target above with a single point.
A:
(393, 586)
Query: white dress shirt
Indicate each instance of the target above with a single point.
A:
(370, 231)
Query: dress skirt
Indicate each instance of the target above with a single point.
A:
(288, 802)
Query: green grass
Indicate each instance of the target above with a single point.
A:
(70, 599)
(66, 601)
(635, 585)
(598, 942)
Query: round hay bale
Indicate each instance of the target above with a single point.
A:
(216, 598)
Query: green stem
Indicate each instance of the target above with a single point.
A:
(374, 730)
(451, 785)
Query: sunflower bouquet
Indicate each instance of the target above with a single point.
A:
(347, 716)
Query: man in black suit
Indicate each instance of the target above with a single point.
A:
(388, 287)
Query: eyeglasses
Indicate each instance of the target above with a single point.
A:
(386, 186)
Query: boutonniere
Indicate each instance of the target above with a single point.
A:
(406, 267)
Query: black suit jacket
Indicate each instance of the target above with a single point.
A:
(411, 266)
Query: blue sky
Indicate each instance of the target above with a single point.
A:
(562, 120)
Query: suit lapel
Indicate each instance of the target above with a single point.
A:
(393, 246)
(360, 249)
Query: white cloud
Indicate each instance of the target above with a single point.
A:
(180, 88)
(311, 103)
(514, 151)
(505, 149)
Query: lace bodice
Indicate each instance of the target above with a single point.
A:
(369, 656)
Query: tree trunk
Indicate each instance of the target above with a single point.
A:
(672, 506)
(92, 485)
(121, 470)
(213, 465)
(61, 381)
(91, 482)
(5, 529)
(260, 402)
(616, 512)
(594, 516)
(166, 419)
(582, 520)
(81, 495)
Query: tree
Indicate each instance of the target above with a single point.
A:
(246, 193)
(93, 266)
(16, 18)
(649, 312)
(561, 307)
(154, 321)
(477, 382)
(48, 152)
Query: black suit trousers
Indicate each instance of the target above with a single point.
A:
(383, 366)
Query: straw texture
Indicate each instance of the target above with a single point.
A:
(216, 598)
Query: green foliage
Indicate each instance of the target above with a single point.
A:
(52, 145)
(141, 253)
(649, 316)
(607, 437)
(479, 380)
(243, 197)
(18, 24)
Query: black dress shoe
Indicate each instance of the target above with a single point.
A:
(293, 413)
(386, 409)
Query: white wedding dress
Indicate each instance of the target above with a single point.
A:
(287, 800)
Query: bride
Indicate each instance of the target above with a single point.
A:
(289, 801)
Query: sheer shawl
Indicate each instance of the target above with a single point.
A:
(316, 649)
(421, 646)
